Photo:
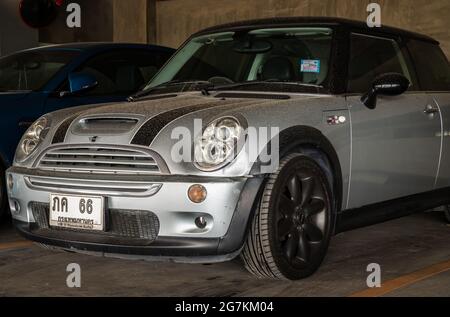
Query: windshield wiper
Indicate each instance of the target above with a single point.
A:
(171, 83)
(265, 82)
(210, 86)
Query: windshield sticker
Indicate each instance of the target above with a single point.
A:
(310, 66)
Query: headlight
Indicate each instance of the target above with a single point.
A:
(32, 139)
(219, 144)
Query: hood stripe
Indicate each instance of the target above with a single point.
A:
(61, 132)
(149, 130)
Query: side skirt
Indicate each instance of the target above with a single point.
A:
(389, 210)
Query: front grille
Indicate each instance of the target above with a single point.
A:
(99, 160)
(123, 227)
(94, 187)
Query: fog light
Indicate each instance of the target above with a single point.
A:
(10, 182)
(197, 193)
(17, 207)
(201, 222)
(14, 206)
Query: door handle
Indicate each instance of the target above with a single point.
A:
(429, 109)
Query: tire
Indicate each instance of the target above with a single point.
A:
(447, 213)
(292, 227)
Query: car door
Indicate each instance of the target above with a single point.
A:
(119, 73)
(433, 71)
(396, 146)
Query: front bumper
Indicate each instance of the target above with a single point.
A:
(227, 208)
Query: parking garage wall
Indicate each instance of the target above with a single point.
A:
(14, 34)
(102, 21)
(177, 19)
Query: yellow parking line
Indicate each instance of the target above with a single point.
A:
(405, 280)
(15, 245)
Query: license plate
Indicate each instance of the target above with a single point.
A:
(77, 212)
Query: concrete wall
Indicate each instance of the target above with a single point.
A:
(101, 20)
(130, 21)
(96, 24)
(170, 22)
(14, 34)
(176, 19)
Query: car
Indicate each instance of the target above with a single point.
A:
(40, 80)
(260, 138)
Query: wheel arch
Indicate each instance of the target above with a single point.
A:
(311, 142)
(302, 139)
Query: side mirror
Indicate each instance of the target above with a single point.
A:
(389, 84)
(80, 82)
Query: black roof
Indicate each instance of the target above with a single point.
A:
(318, 21)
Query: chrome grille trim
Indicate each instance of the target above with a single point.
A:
(101, 159)
(78, 186)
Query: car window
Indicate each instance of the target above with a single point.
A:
(431, 64)
(32, 70)
(216, 61)
(300, 55)
(372, 56)
(123, 72)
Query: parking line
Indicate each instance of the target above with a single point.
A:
(15, 245)
(405, 280)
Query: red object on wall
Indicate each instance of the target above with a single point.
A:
(39, 13)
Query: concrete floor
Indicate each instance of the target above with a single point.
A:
(401, 246)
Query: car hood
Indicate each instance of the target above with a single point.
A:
(164, 105)
(139, 123)
(157, 124)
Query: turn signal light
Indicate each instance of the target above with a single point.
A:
(197, 193)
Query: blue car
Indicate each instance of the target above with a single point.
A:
(45, 79)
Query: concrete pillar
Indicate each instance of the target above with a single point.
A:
(151, 21)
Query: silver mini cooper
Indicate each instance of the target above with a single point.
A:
(261, 139)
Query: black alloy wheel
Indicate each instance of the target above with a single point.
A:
(301, 217)
(293, 225)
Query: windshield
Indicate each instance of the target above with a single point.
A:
(297, 55)
(30, 71)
